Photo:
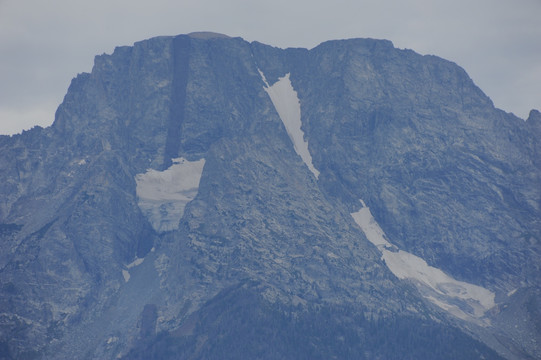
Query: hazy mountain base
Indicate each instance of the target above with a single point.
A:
(240, 324)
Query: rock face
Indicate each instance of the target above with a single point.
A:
(194, 199)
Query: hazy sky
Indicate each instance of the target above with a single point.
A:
(44, 44)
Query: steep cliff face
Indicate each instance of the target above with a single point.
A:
(197, 190)
(416, 139)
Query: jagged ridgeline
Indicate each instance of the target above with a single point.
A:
(203, 197)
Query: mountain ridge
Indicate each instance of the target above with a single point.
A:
(447, 176)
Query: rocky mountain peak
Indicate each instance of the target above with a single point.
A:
(534, 116)
(207, 35)
(197, 192)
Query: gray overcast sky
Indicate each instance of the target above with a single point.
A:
(44, 44)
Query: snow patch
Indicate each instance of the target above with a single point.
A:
(464, 300)
(126, 275)
(370, 227)
(287, 104)
(332, 255)
(512, 292)
(136, 262)
(163, 195)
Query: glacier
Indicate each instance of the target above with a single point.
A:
(461, 299)
(163, 195)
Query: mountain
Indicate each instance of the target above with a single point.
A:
(203, 197)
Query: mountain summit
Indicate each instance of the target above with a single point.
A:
(200, 196)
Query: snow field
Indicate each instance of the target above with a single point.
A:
(461, 299)
(287, 104)
(163, 195)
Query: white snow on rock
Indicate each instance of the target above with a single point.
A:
(464, 300)
(136, 262)
(370, 227)
(126, 275)
(287, 104)
(163, 195)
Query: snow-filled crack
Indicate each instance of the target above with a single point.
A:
(287, 104)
